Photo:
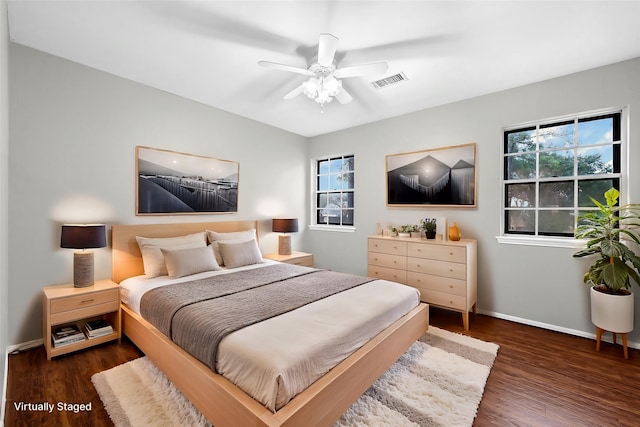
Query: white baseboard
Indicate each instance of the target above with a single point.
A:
(25, 345)
(551, 327)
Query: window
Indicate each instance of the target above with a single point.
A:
(334, 203)
(552, 169)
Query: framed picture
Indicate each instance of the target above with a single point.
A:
(437, 177)
(170, 183)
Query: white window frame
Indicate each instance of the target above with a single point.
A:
(561, 241)
(313, 224)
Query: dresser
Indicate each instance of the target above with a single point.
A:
(445, 272)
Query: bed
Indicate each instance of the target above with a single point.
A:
(219, 399)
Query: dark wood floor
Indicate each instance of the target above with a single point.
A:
(540, 378)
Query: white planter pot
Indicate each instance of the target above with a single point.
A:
(613, 313)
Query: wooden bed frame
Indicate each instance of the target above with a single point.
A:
(222, 402)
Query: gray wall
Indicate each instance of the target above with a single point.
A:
(72, 159)
(538, 285)
(4, 175)
(74, 129)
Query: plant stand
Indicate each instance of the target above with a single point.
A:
(599, 332)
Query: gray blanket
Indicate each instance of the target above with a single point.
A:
(197, 315)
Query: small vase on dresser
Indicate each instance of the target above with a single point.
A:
(454, 232)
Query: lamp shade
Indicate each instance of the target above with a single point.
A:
(83, 236)
(285, 225)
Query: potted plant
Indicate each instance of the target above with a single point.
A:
(415, 232)
(405, 230)
(615, 264)
(429, 226)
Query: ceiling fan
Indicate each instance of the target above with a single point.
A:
(324, 84)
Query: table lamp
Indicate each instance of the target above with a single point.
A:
(83, 236)
(285, 225)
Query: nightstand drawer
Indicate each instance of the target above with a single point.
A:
(80, 313)
(85, 300)
(305, 261)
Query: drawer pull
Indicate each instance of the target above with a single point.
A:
(84, 301)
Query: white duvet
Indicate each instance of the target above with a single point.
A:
(278, 358)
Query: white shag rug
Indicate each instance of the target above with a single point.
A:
(439, 381)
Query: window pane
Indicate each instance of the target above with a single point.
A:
(521, 195)
(556, 222)
(520, 221)
(521, 141)
(521, 166)
(595, 160)
(347, 217)
(348, 164)
(321, 200)
(323, 182)
(595, 131)
(347, 200)
(556, 136)
(323, 167)
(556, 163)
(336, 165)
(594, 188)
(335, 181)
(556, 194)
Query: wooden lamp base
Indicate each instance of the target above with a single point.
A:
(284, 244)
(83, 269)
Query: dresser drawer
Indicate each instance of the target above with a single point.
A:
(85, 300)
(391, 274)
(437, 283)
(386, 260)
(439, 268)
(443, 299)
(437, 251)
(392, 247)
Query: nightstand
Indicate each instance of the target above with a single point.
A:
(298, 258)
(65, 305)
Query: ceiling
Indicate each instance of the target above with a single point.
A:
(208, 51)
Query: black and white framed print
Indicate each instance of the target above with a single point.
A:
(170, 183)
(439, 177)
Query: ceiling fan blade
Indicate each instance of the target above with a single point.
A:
(362, 70)
(283, 67)
(343, 97)
(327, 49)
(297, 91)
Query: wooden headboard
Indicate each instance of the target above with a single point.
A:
(126, 258)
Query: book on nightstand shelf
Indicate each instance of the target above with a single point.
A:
(97, 328)
(67, 334)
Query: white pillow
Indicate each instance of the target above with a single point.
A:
(239, 254)
(231, 237)
(150, 248)
(234, 235)
(184, 262)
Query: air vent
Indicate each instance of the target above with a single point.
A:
(388, 81)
